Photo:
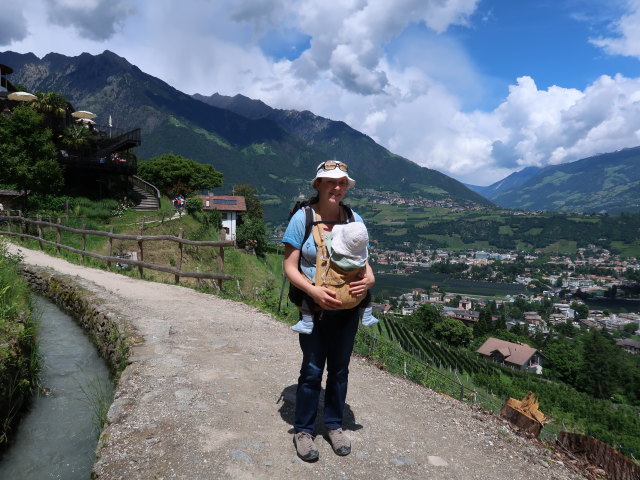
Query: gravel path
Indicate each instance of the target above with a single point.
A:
(209, 395)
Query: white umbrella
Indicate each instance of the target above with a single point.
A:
(22, 96)
(86, 121)
(83, 114)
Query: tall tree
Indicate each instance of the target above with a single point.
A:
(452, 331)
(28, 157)
(484, 324)
(600, 365)
(563, 360)
(175, 175)
(254, 206)
(424, 318)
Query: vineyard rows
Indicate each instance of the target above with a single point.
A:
(435, 352)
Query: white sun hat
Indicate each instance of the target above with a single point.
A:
(350, 240)
(333, 169)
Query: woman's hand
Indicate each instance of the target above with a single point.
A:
(367, 280)
(325, 298)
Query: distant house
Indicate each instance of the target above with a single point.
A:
(518, 355)
(468, 317)
(230, 207)
(9, 199)
(533, 317)
(628, 345)
(381, 307)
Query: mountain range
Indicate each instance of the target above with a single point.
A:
(276, 151)
(605, 183)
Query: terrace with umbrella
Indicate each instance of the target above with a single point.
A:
(87, 148)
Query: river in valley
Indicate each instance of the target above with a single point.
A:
(57, 436)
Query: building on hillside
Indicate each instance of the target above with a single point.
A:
(468, 317)
(517, 355)
(466, 304)
(556, 318)
(533, 317)
(628, 345)
(231, 209)
(9, 200)
(381, 307)
(104, 161)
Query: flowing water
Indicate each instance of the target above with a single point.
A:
(57, 437)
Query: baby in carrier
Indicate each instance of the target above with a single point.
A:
(341, 259)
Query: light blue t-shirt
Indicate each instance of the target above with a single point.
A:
(294, 234)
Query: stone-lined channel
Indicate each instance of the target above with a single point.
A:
(57, 437)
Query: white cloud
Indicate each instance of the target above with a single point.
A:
(627, 41)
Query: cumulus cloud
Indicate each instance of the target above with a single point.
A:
(627, 41)
(13, 24)
(531, 127)
(94, 19)
(348, 41)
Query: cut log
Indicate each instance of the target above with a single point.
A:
(524, 414)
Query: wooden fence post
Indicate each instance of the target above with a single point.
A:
(39, 218)
(220, 266)
(58, 236)
(84, 242)
(110, 245)
(180, 235)
(21, 222)
(140, 257)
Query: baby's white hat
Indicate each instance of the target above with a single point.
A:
(350, 240)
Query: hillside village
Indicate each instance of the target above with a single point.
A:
(563, 289)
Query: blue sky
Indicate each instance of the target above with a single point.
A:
(476, 89)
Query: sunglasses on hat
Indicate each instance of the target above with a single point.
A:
(332, 165)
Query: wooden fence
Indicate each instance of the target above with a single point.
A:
(10, 220)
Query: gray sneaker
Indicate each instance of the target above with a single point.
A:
(305, 447)
(339, 442)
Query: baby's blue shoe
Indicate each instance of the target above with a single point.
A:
(367, 317)
(305, 325)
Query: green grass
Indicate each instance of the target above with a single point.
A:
(562, 247)
(18, 350)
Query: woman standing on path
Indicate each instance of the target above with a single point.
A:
(334, 331)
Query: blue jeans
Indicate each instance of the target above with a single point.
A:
(330, 343)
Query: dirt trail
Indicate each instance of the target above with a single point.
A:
(209, 395)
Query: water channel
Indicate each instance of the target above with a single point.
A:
(57, 437)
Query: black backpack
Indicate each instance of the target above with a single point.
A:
(295, 294)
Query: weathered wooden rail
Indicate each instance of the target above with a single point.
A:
(21, 221)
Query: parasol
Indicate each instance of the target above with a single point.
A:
(83, 114)
(22, 96)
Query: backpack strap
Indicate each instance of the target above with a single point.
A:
(310, 222)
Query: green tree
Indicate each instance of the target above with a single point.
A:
(252, 234)
(452, 331)
(193, 205)
(424, 318)
(28, 157)
(254, 206)
(484, 324)
(581, 309)
(175, 174)
(50, 103)
(600, 366)
(77, 137)
(563, 360)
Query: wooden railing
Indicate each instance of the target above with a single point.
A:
(8, 221)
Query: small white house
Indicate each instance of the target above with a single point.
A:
(230, 208)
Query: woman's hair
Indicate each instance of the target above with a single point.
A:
(316, 197)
